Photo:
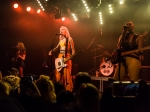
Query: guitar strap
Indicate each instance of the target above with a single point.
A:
(66, 47)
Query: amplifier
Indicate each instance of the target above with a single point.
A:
(145, 73)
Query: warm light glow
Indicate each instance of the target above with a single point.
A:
(63, 18)
(15, 5)
(74, 16)
(121, 2)
(28, 8)
(38, 11)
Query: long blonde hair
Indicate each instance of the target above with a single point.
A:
(67, 32)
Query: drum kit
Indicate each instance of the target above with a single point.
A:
(106, 68)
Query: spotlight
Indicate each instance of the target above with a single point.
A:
(15, 5)
(63, 18)
(28, 8)
(38, 11)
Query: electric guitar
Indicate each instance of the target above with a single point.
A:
(115, 54)
(60, 62)
(18, 54)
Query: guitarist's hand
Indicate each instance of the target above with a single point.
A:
(19, 56)
(50, 53)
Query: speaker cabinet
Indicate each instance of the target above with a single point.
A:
(145, 74)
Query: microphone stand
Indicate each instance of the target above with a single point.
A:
(52, 74)
(95, 54)
(90, 43)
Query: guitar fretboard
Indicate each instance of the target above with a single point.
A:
(133, 51)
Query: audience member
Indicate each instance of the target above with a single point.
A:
(59, 86)
(82, 77)
(30, 97)
(5, 87)
(65, 98)
(9, 104)
(47, 91)
(89, 98)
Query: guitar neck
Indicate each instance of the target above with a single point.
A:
(73, 56)
(68, 58)
(136, 50)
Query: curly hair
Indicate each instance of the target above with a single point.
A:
(5, 87)
(14, 81)
(46, 88)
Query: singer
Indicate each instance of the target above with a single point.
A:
(129, 64)
(66, 45)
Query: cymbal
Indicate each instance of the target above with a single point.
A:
(96, 49)
(107, 53)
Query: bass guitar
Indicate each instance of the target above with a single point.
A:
(60, 62)
(115, 54)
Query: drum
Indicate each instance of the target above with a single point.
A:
(106, 68)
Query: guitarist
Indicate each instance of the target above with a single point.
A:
(129, 64)
(66, 45)
(18, 60)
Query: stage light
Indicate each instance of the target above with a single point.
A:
(100, 17)
(63, 18)
(121, 2)
(38, 11)
(40, 4)
(74, 16)
(110, 8)
(15, 5)
(28, 8)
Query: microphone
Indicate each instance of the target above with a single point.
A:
(125, 26)
(100, 46)
(58, 34)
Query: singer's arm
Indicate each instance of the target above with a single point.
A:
(53, 50)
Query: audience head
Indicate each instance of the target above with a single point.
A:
(28, 86)
(65, 97)
(10, 104)
(89, 98)
(82, 77)
(5, 87)
(59, 86)
(46, 88)
(1, 76)
(14, 81)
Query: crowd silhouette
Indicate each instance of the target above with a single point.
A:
(29, 94)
